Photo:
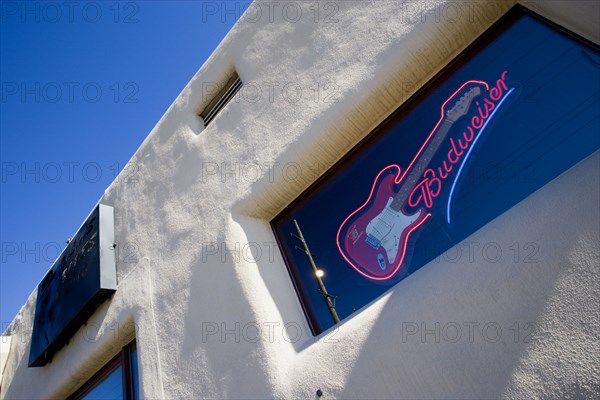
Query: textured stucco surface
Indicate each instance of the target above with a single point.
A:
(535, 325)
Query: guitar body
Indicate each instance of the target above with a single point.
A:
(373, 239)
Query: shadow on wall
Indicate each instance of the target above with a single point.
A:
(287, 311)
(219, 353)
(465, 329)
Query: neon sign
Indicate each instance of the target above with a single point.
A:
(374, 238)
(431, 186)
(460, 168)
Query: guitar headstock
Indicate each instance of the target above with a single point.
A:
(462, 105)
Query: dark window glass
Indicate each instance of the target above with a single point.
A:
(111, 387)
(518, 108)
(118, 379)
(134, 371)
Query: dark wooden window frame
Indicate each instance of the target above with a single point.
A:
(123, 359)
(483, 40)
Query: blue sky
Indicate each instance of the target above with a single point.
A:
(83, 83)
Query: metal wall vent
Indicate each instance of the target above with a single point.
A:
(225, 95)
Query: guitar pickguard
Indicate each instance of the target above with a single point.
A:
(375, 236)
(386, 230)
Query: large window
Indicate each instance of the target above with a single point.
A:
(118, 379)
(514, 111)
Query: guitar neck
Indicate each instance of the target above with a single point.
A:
(417, 170)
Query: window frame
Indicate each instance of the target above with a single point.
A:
(472, 50)
(122, 359)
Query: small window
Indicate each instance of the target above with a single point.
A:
(221, 99)
(118, 379)
(511, 113)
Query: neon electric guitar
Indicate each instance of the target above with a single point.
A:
(373, 239)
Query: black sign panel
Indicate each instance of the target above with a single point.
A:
(82, 277)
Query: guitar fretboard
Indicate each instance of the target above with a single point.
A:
(417, 170)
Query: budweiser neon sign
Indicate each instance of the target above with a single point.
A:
(430, 186)
(373, 239)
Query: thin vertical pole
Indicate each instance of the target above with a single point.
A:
(326, 296)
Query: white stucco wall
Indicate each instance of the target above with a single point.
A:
(173, 291)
